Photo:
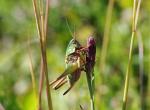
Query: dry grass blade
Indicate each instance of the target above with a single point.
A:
(46, 16)
(41, 81)
(41, 30)
(44, 57)
(37, 18)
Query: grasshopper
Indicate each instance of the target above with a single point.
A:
(75, 63)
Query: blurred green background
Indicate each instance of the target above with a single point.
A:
(85, 18)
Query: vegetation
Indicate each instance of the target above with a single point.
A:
(34, 35)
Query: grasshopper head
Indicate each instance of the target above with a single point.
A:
(72, 46)
(74, 42)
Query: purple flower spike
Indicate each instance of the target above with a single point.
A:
(91, 43)
(91, 52)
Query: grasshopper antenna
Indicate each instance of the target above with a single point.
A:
(72, 34)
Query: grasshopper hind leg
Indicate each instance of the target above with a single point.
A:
(72, 79)
(68, 90)
(60, 84)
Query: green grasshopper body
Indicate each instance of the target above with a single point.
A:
(72, 46)
(75, 63)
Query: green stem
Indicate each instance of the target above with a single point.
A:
(90, 81)
(136, 8)
(127, 73)
(106, 35)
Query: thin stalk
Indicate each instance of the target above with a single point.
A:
(44, 58)
(129, 61)
(42, 34)
(127, 73)
(37, 18)
(90, 82)
(106, 35)
(46, 17)
(41, 81)
(137, 12)
(134, 24)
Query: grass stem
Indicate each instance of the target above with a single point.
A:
(42, 34)
(106, 35)
(90, 82)
(136, 8)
